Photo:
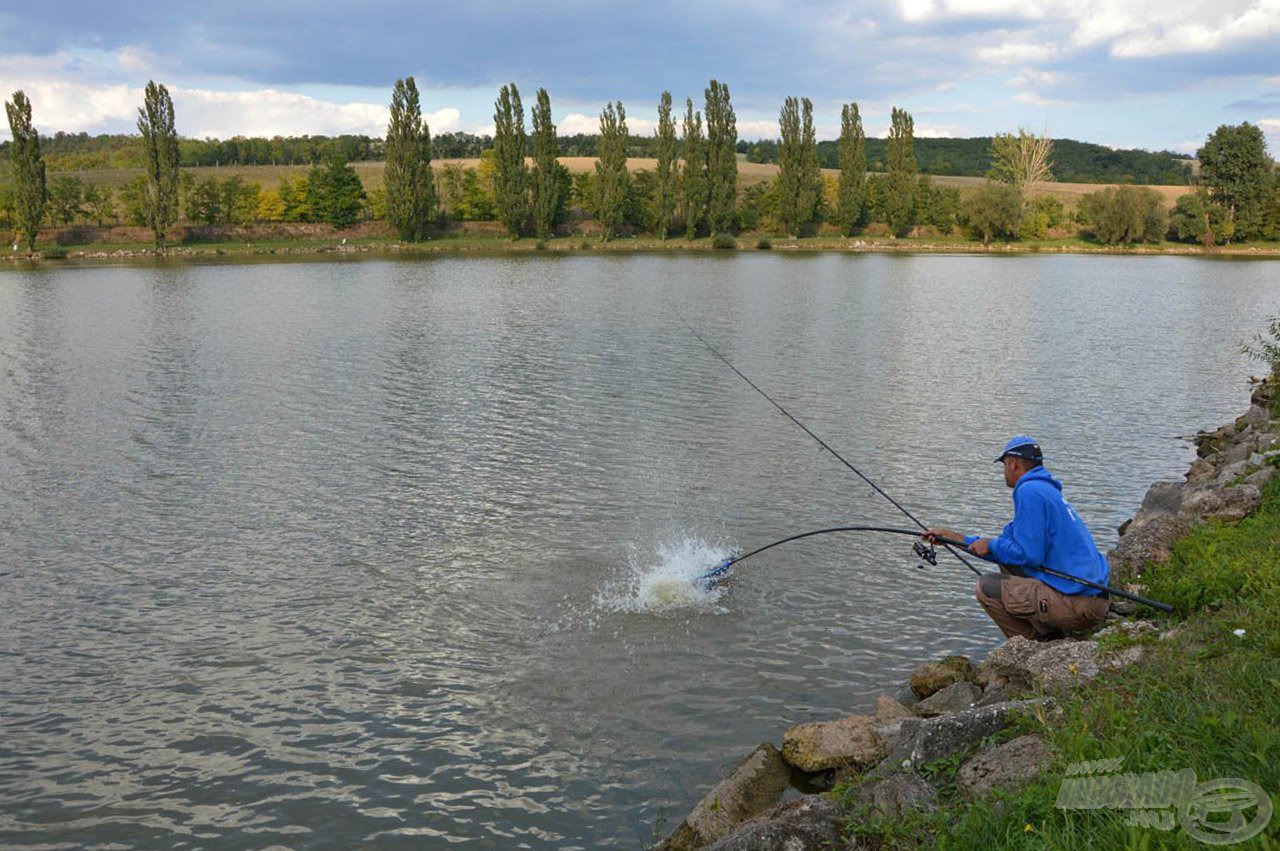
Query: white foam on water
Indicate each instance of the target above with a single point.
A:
(667, 580)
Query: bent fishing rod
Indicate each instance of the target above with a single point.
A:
(949, 546)
(929, 554)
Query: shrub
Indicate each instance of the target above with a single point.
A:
(764, 244)
(724, 242)
(53, 252)
(1123, 215)
(1197, 219)
(995, 210)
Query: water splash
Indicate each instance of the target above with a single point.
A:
(667, 579)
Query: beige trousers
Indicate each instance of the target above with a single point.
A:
(1032, 609)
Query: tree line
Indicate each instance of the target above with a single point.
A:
(693, 189)
(1075, 162)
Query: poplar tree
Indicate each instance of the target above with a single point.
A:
(510, 178)
(30, 189)
(900, 186)
(851, 209)
(799, 178)
(694, 185)
(612, 181)
(160, 158)
(410, 185)
(722, 158)
(667, 174)
(548, 197)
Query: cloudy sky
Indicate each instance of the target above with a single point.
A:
(1138, 73)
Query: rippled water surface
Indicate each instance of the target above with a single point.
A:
(395, 553)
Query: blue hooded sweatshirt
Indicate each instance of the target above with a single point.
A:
(1047, 532)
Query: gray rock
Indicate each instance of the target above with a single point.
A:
(1231, 471)
(1201, 471)
(1228, 504)
(1125, 657)
(896, 793)
(1014, 761)
(933, 739)
(931, 677)
(1151, 542)
(956, 697)
(1256, 415)
(993, 694)
(813, 823)
(845, 743)
(755, 785)
(1045, 665)
(888, 709)
(1161, 498)
(1260, 478)
(906, 696)
(1133, 629)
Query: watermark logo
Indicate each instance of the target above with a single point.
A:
(1216, 812)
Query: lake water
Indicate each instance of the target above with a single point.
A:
(396, 553)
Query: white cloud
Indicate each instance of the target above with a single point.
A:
(926, 10)
(1033, 99)
(1271, 127)
(1015, 52)
(133, 60)
(758, 129)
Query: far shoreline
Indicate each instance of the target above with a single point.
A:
(487, 246)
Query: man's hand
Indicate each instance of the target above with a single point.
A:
(934, 534)
(980, 547)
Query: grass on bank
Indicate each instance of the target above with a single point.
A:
(463, 242)
(1204, 699)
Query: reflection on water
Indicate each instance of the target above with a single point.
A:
(398, 553)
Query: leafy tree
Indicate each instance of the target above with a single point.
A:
(334, 193)
(66, 197)
(30, 190)
(204, 202)
(760, 205)
(1195, 218)
(994, 210)
(722, 158)
(99, 204)
(510, 186)
(668, 175)
(799, 180)
(1021, 160)
(548, 199)
(6, 205)
(294, 200)
(1235, 167)
(694, 173)
(131, 200)
(410, 186)
(898, 197)
(270, 207)
(937, 206)
(160, 161)
(1122, 215)
(612, 181)
(851, 207)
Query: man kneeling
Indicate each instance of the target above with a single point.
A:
(1045, 532)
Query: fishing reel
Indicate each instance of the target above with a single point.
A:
(928, 552)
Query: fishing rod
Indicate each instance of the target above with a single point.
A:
(820, 441)
(928, 553)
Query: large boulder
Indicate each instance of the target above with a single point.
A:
(956, 697)
(1228, 504)
(895, 794)
(932, 677)
(845, 743)
(813, 823)
(888, 709)
(756, 784)
(929, 740)
(1044, 665)
(1014, 761)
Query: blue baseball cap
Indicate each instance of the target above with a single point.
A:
(1022, 446)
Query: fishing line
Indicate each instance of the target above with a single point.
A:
(820, 441)
(925, 552)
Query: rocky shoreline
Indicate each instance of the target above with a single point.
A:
(951, 709)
